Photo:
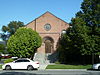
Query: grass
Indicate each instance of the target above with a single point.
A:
(0, 66)
(60, 66)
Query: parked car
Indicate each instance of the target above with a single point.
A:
(96, 66)
(5, 56)
(22, 63)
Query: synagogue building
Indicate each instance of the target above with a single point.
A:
(50, 29)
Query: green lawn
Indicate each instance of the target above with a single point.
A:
(60, 66)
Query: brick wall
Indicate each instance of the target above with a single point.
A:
(57, 25)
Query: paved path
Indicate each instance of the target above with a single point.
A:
(43, 66)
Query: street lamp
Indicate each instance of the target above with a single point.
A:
(63, 32)
(70, 26)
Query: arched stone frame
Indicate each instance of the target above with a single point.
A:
(49, 44)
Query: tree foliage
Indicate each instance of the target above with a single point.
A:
(2, 48)
(11, 29)
(24, 42)
(84, 36)
(90, 14)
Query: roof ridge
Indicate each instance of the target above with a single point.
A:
(44, 14)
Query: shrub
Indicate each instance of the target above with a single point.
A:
(8, 60)
(57, 62)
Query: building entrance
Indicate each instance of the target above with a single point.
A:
(48, 44)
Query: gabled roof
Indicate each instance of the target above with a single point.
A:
(46, 13)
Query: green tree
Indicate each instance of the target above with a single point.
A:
(2, 48)
(90, 14)
(10, 29)
(84, 36)
(24, 43)
(73, 41)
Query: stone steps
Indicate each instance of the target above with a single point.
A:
(42, 59)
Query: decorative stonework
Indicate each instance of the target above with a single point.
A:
(47, 27)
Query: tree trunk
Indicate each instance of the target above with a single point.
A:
(32, 55)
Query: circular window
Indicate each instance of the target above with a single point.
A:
(47, 27)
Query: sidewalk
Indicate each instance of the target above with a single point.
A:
(66, 69)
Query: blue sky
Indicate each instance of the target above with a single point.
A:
(28, 10)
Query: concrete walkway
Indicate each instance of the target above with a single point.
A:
(66, 69)
(43, 66)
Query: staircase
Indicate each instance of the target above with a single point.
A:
(42, 59)
(45, 59)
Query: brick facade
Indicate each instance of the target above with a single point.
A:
(53, 34)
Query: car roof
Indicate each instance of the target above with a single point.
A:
(23, 59)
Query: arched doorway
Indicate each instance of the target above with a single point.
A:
(49, 44)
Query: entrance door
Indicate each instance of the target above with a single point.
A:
(48, 45)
